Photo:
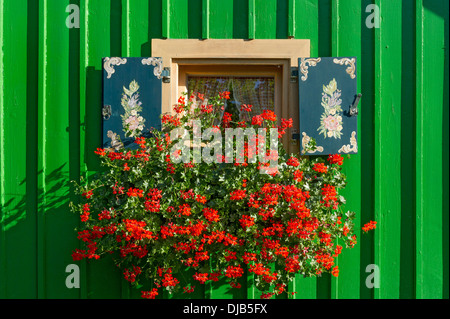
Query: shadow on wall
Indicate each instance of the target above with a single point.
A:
(16, 209)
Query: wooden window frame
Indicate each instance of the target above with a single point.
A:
(238, 55)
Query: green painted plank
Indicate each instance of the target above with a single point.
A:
(251, 19)
(324, 25)
(327, 46)
(265, 19)
(221, 19)
(445, 159)
(282, 17)
(17, 275)
(155, 21)
(3, 290)
(367, 74)
(74, 124)
(429, 111)
(177, 19)
(166, 18)
(205, 19)
(307, 23)
(102, 278)
(291, 19)
(117, 25)
(348, 34)
(54, 220)
(306, 27)
(388, 148)
(407, 289)
(135, 27)
(42, 87)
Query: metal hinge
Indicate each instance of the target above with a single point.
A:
(106, 112)
(294, 74)
(165, 74)
(295, 136)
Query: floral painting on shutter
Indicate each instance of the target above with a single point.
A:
(327, 96)
(131, 100)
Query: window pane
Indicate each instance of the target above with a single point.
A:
(256, 91)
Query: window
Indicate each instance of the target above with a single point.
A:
(256, 72)
(321, 99)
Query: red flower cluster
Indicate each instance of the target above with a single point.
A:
(153, 200)
(214, 218)
(150, 294)
(135, 192)
(234, 272)
(320, 168)
(246, 108)
(131, 275)
(293, 161)
(238, 194)
(269, 115)
(336, 159)
(369, 226)
(210, 214)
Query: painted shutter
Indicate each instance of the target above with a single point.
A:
(328, 99)
(131, 100)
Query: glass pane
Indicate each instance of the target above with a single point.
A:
(256, 91)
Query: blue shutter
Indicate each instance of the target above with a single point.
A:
(131, 100)
(328, 99)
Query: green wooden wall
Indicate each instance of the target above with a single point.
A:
(50, 93)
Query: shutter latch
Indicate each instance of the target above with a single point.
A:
(354, 106)
(165, 74)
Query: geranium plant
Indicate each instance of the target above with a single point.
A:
(158, 215)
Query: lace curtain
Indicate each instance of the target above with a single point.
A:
(256, 91)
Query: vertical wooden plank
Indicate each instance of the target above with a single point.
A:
(388, 148)
(347, 42)
(328, 46)
(367, 72)
(103, 280)
(3, 289)
(335, 24)
(17, 221)
(177, 19)
(429, 110)
(205, 19)
(251, 19)
(134, 36)
(166, 18)
(41, 142)
(135, 20)
(126, 24)
(265, 19)
(221, 19)
(445, 158)
(291, 19)
(74, 124)
(307, 27)
(240, 19)
(324, 26)
(55, 220)
(407, 279)
(155, 21)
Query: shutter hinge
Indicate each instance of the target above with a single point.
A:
(165, 74)
(106, 112)
(295, 136)
(294, 74)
